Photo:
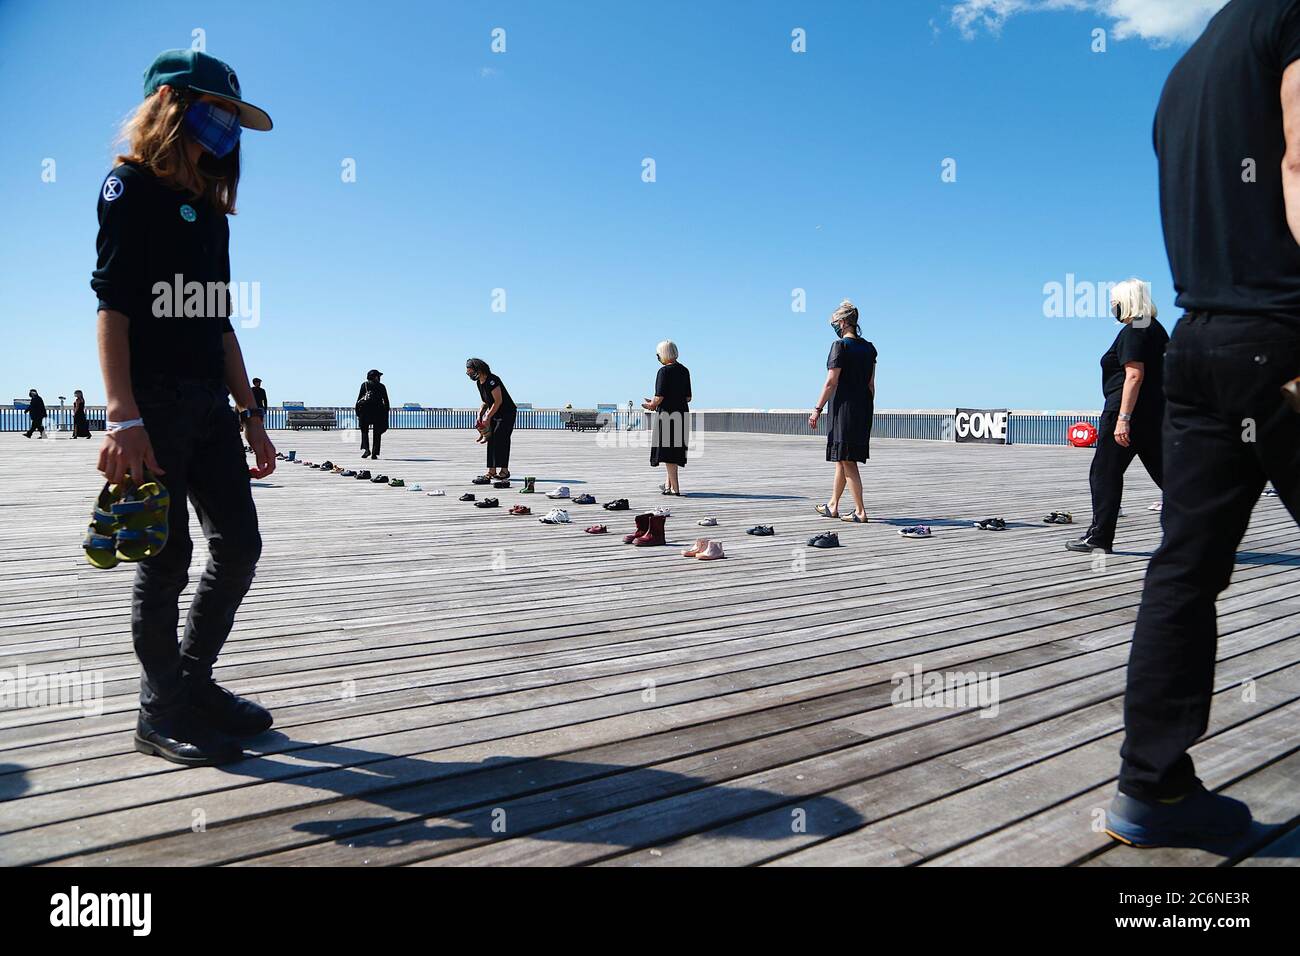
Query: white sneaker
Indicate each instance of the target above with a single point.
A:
(1157, 506)
(560, 492)
(555, 516)
(416, 488)
(662, 512)
(436, 494)
(708, 522)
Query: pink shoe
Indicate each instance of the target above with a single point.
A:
(711, 553)
(700, 545)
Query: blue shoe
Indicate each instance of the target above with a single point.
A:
(1199, 818)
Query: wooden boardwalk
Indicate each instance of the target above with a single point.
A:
(459, 686)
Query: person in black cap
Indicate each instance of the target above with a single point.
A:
(36, 412)
(170, 369)
(259, 395)
(1231, 105)
(372, 412)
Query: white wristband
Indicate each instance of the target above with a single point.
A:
(111, 427)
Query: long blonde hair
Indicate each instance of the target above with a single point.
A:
(154, 140)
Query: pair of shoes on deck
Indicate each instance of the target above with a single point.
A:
(827, 539)
(650, 530)
(205, 731)
(991, 524)
(705, 549)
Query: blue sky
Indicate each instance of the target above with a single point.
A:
(522, 171)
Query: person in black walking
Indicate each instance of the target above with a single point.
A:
(80, 425)
(372, 413)
(850, 387)
(259, 395)
(36, 412)
(496, 417)
(1132, 381)
(1230, 105)
(169, 376)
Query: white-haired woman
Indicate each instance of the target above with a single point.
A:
(671, 405)
(851, 379)
(1132, 380)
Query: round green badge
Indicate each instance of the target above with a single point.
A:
(188, 213)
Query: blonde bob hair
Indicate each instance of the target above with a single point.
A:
(1130, 301)
(154, 138)
(667, 351)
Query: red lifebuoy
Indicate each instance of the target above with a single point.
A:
(1082, 435)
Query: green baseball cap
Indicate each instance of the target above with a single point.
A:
(201, 73)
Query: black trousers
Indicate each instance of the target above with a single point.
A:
(1110, 461)
(196, 438)
(498, 443)
(38, 425)
(1227, 431)
(366, 429)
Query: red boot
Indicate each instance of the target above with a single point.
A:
(654, 534)
(642, 526)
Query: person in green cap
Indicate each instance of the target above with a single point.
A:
(170, 369)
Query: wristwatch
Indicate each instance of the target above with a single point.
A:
(246, 413)
(1125, 417)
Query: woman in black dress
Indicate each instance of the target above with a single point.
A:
(1132, 421)
(372, 412)
(851, 377)
(671, 405)
(80, 426)
(496, 417)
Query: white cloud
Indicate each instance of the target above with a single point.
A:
(1157, 21)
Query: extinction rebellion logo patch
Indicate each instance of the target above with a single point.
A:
(188, 213)
(234, 82)
(112, 188)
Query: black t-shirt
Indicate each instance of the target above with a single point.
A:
(856, 360)
(1134, 344)
(673, 384)
(1229, 246)
(259, 396)
(148, 235)
(485, 393)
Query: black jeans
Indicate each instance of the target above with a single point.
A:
(366, 429)
(197, 441)
(1110, 461)
(498, 444)
(38, 425)
(1227, 431)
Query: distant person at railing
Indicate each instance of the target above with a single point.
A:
(1132, 380)
(851, 379)
(671, 405)
(36, 412)
(497, 414)
(372, 412)
(80, 425)
(259, 395)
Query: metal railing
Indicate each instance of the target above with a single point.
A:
(926, 424)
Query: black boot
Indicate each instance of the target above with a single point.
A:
(236, 716)
(184, 738)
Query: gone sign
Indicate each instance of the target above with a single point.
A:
(985, 425)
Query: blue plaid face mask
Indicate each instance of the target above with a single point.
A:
(213, 128)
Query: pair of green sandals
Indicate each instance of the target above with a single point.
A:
(129, 523)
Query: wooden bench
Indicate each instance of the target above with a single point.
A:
(584, 421)
(300, 418)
